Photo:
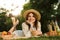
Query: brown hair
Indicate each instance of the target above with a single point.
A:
(10, 15)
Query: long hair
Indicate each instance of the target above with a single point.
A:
(35, 23)
(10, 15)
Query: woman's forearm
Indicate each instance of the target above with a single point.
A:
(12, 29)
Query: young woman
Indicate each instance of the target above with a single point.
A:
(32, 26)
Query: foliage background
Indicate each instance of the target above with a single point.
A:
(46, 9)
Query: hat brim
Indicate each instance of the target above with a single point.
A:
(38, 15)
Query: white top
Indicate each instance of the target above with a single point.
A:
(26, 30)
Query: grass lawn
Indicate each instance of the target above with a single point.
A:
(39, 38)
(42, 38)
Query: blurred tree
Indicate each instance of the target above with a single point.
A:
(26, 7)
(5, 22)
(8, 23)
(58, 15)
(2, 21)
(46, 9)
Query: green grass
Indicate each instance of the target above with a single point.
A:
(41, 38)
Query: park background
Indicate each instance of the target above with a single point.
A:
(49, 10)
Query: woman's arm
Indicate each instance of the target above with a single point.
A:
(26, 31)
(39, 27)
(15, 23)
(12, 29)
(38, 31)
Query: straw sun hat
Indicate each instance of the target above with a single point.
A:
(38, 15)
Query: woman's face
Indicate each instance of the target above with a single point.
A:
(31, 17)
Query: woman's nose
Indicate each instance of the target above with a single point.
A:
(31, 17)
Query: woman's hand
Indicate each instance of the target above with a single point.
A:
(16, 22)
(39, 33)
(31, 23)
(36, 33)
